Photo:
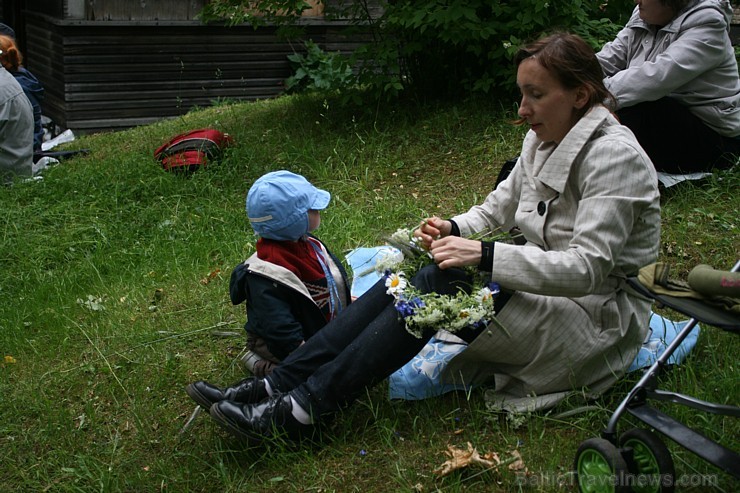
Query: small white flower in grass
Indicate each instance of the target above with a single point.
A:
(92, 303)
(396, 283)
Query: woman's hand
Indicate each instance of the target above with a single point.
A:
(448, 251)
(432, 228)
(453, 251)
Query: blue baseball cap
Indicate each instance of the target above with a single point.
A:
(278, 204)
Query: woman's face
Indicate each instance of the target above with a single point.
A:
(654, 12)
(549, 108)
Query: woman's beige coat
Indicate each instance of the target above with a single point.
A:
(589, 211)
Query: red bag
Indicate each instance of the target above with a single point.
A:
(191, 150)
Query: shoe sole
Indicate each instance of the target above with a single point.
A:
(237, 431)
(198, 397)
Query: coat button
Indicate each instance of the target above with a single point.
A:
(541, 208)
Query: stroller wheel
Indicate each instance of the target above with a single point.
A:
(600, 468)
(652, 469)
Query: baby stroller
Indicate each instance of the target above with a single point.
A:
(638, 460)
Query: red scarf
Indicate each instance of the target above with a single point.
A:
(300, 258)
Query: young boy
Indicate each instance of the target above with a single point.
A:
(292, 284)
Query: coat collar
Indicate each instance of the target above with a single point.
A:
(256, 265)
(555, 170)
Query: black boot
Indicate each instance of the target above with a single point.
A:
(249, 391)
(257, 422)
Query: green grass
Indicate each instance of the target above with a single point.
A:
(94, 400)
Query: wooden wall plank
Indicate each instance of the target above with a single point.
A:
(149, 10)
(142, 10)
(107, 76)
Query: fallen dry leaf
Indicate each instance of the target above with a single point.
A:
(518, 463)
(211, 276)
(460, 458)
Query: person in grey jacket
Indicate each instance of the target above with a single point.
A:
(585, 197)
(12, 59)
(673, 72)
(16, 130)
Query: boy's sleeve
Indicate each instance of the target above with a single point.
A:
(238, 284)
(275, 322)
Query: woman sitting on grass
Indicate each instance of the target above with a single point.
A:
(12, 59)
(673, 72)
(16, 130)
(584, 195)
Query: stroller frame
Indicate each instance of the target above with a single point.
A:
(636, 404)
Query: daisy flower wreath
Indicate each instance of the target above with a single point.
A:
(421, 311)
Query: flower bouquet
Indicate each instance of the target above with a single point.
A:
(422, 311)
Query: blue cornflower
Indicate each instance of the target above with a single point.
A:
(405, 308)
(494, 287)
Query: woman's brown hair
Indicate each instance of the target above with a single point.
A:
(11, 57)
(572, 62)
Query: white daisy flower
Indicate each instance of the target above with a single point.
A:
(395, 283)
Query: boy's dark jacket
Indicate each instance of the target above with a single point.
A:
(279, 307)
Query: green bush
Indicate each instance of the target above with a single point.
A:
(318, 70)
(453, 47)
(439, 48)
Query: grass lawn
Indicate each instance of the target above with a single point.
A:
(114, 296)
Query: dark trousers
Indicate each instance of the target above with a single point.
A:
(676, 140)
(364, 345)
